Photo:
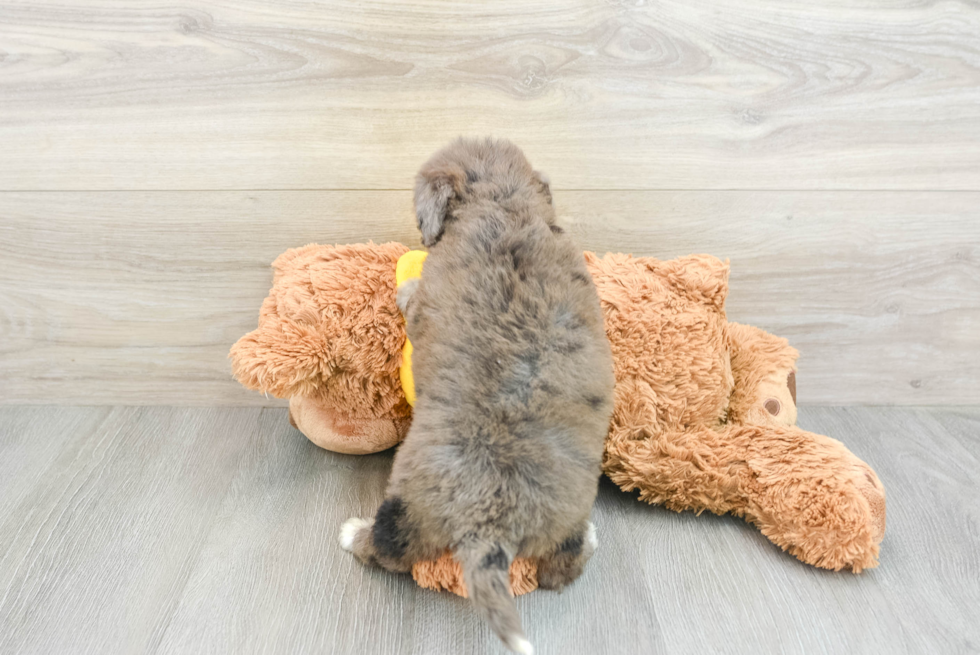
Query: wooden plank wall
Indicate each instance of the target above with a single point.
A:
(155, 158)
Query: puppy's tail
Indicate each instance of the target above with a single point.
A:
(486, 570)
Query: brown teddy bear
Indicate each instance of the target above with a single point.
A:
(705, 409)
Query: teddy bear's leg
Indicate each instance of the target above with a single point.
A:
(814, 498)
(446, 574)
(693, 470)
(568, 561)
(764, 377)
(807, 493)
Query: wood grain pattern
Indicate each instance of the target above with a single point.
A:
(136, 297)
(928, 461)
(212, 94)
(196, 530)
(97, 545)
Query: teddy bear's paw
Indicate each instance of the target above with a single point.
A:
(869, 486)
(814, 498)
(349, 530)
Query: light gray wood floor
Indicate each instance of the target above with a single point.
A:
(213, 530)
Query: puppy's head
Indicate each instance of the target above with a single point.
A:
(471, 170)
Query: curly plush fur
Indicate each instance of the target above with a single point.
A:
(704, 414)
(330, 338)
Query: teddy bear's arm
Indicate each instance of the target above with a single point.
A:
(806, 492)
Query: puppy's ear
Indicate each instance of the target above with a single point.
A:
(432, 195)
(545, 182)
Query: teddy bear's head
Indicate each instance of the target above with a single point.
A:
(679, 362)
(667, 327)
(764, 369)
(329, 332)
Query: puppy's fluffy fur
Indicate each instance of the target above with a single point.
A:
(514, 379)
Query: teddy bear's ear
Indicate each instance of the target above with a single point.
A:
(280, 358)
(703, 278)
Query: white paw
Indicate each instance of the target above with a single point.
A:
(590, 537)
(349, 530)
(520, 645)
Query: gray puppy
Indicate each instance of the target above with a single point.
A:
(514, 379)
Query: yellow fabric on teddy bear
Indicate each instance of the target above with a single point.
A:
(409, 267)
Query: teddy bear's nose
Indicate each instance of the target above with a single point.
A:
(772, 406)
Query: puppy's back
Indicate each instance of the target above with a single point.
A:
(513, 379)
(513, 345)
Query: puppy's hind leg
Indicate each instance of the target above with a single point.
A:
(568, 560)
(355, 537)
(382, 541)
